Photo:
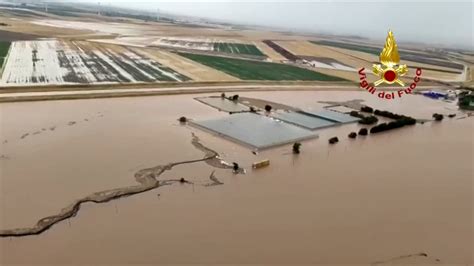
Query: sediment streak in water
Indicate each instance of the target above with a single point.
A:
(147, 179)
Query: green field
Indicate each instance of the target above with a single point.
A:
(256, 70)
(4, 46)
(237, 48)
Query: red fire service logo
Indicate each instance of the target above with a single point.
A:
(389, 71)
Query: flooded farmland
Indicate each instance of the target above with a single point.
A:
(52, 62)
(403, 196)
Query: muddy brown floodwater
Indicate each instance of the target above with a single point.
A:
(147, 178)
(403, 196)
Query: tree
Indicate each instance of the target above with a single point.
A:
(235, 167)
(355, 114)
(365, 120)
(367, 109)
(369, 120)
(296, 148)
(352, 135)
(268, 108)
(466, 98)
(363, 132)
(438, 117)
(183, 119)
(333, 140)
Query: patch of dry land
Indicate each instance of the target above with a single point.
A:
(188, 67)
(470, 79)
(25, 25)
(305, 48)
(272, 55)
(393, 197)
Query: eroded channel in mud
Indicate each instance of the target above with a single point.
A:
(147, 179)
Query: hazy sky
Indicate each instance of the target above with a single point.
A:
(436, 22)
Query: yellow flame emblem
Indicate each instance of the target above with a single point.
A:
(389, 57)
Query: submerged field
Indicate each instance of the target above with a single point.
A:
(256, 70)
(61, 62)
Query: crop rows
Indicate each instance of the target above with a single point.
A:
(237, 48)
(56, 62)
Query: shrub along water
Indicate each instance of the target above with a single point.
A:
(365, 120)
(363, 132)
(390, 115)
(392, 125)
(438, 117)
(400, 121)
(352, 135)
(297, 148)
(466, 100)
(367, 109)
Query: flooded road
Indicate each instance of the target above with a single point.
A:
(379, 198)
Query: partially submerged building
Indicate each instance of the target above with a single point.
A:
(281, 127)
(256, 131)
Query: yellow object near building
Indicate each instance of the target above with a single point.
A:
(261, 164)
